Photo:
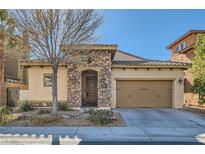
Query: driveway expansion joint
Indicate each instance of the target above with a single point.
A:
(76, 131)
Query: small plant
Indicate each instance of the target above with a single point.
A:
(26, 107)
(102, 117)
(6, 115)
(4, 119)
(6, 110)
(63, 106)
(45, 120)
(43, 111)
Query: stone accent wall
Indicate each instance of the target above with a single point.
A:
(99, 61)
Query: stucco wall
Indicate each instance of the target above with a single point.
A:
(189, 96)
(37, 91)
(151, 74)
(23, 95)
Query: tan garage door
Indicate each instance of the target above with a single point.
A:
(151, 94)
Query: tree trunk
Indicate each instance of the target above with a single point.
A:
(2, 84)
(1, 56)
(54, 90)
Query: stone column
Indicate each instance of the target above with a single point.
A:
(99, 61)
(104, 82)
(74, 87)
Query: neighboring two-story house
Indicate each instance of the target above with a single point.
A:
(182, 50)
(12, 75)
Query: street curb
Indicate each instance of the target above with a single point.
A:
(6, 139)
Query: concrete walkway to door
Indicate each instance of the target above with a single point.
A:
(144, 126)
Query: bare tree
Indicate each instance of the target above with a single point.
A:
(50, 30)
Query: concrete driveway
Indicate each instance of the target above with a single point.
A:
(165, 124)
(162, 118)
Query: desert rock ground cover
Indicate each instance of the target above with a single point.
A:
(43, 117)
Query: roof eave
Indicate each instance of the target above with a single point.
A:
(38, 64)
(112, 48)
(151, 66)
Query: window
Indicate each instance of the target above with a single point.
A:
(47, 80)
(181, 46)
(177, 48)
(184, 45)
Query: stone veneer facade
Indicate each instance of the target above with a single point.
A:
(96, 60)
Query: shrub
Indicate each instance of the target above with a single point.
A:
(5, 118)
(102, 117)
(6, 115)
(25, 107)
(199, 88)
(6, 110)
(43, 111)
(45, 120)
(63, 106)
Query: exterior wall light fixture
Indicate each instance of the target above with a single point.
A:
(180, 81)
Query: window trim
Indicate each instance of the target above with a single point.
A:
(44, 82)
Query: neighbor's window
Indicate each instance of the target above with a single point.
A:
(184, 45)
(47, 80)
(178, 48)
(181, 46)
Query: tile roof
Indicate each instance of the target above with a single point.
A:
(134, 60)
(149, 63)
(125, 56)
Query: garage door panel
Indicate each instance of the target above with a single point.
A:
(144, 94)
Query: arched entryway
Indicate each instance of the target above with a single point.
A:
(89, 88)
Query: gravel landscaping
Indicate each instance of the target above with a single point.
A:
(43, 117)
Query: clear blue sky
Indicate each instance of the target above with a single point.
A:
(147, 32)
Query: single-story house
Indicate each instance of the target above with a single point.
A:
(102, 76)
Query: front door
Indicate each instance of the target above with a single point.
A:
(91, 90)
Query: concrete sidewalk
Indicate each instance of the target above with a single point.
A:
(109, 135)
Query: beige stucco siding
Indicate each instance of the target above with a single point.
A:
(37, 91)
(151, 74)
